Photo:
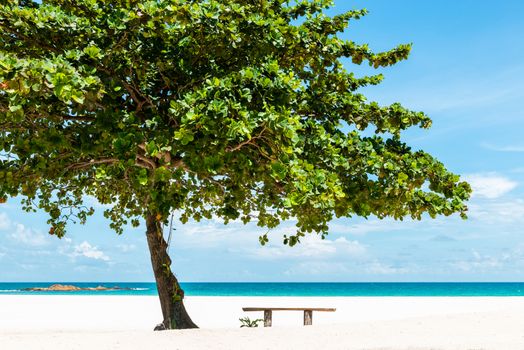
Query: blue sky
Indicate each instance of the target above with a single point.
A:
(466, 71)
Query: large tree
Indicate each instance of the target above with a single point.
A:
(227, 108)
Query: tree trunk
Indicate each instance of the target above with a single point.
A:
(169, 291)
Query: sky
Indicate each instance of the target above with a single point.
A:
(465, 71)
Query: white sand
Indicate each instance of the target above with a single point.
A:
(125, 322)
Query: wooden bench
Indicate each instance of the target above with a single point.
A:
(268, 313)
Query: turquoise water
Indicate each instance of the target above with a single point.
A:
(289, 289)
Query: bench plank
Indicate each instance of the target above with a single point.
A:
(268, 313)
(288, 309)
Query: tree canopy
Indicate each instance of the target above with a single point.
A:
(227, 108)
(223, 108)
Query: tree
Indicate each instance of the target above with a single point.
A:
(227, 108)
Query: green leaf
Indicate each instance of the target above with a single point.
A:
(78, 98)
(143, 177)
(184, 136)
(279, 171)
(93, 52)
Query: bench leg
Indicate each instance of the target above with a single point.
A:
(267, 318)
(308, 317)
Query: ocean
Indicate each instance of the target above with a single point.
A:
(474, 289)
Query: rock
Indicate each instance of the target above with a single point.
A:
(71, 288)
(63, 288)
(55, 288)
(101, 288)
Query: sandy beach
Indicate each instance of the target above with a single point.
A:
(125, 322)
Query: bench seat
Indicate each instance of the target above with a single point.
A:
(268, 313)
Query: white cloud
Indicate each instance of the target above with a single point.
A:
(338, 268)
(505, 259)
(510, 148)
(498, 212)
(65, 246)
(378, 268)
(481, 262)
(352, 248)
(125, 248)
(322, 268)
(369, 226)
(211, 234)
(28, 267)
(28, 236)
(87, 250)
(490, 185)
(5, 222)
(312, 246)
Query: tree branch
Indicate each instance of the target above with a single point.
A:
(247, 142)
(92, 162)
(146, 160)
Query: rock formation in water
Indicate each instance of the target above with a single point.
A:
(71, 288)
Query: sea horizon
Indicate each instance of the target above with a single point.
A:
(282, 289)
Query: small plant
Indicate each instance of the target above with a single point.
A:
(247, 322)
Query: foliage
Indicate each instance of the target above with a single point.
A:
(247, 322)
(226, 108)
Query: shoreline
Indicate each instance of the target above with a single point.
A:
(277, 289)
